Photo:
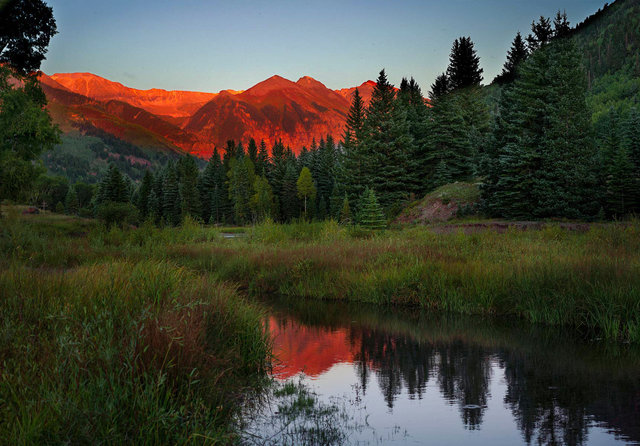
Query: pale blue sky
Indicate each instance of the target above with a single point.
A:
(213, 45)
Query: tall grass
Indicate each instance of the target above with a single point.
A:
(106, 344)
(586, 280)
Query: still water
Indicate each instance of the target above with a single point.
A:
(414, 378)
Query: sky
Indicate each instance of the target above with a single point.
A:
(211, 45)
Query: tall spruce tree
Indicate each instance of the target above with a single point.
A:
(289, 203)
(541, 34)
(464, 65)
(440, 87)
(241, 180)
(188, 178)
(539, 166)
(515, 56)
(388, 144)
(171, 201)
(352, 160)
(631, 142)
(146, 187)
(370, 215)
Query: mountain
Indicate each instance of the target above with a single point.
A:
(365, 90)
(175, 104)
(195, 122)
(277, 108)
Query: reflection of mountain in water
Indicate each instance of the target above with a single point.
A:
(555, 386)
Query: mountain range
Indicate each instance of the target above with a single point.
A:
(196, 122)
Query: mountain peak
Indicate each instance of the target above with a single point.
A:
(275, 82)
(309, 82)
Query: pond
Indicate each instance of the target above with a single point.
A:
(402, 376)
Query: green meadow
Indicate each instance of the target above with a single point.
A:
(158, 330)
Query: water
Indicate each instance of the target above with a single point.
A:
(405, 377)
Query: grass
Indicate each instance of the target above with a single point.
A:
(100, 343)
(145, 335)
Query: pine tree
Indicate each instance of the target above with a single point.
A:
(154, 207)
(561, 26)
(114, 187)
(305, 187)
(631, 142)
(262, 163)
(541, 34)
(241, 178)
(188, 171)
(71, 204)
(515, 56)
(171, 200)
(539, 166)
(352, 159)
(207, 184)
(464, 65)
(370, 215)
(146, 187)
(387, 146)
(289, 204)
(252, 151)
(440, 87)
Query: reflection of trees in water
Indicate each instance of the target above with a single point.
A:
(398, 362)
(556, 387)
(464, 373)
(550, 406)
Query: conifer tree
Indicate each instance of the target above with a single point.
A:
(440, 87)
(252, 151)
(464, 65)
(631, 142)
(262, 163)
(71, 204)
(289, 204)
(541, 34)
(561, 26)
(171, 200)
(540, 164)
(387, 145)
(154, 207)
(352, 158)
(515, 56)
(241, 179)
(188, 171)
(146, 187)
(370, 215)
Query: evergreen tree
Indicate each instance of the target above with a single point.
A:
(440, 87)
(387, 146)
(171, 200)
(289, 204)
(241, 179)
(541, 34)
(631, 142)
(71, 204)
(561, 26)
(305, 187)
(370, 215)
(262, 163)
(464, 65)
(540, 164)
(352, 157)
(113, 187)
(146, 187)
(252, 151)
(515, 56)
(207, 184)
(188, 171)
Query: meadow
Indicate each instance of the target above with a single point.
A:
(154, 334)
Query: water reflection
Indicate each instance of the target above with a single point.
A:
(556, 389)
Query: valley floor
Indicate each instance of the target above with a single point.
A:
(154, 329)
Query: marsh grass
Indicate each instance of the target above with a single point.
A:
(103, 342)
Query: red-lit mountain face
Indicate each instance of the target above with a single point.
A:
(295, 112)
